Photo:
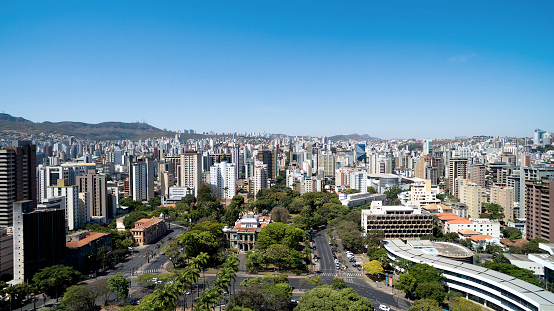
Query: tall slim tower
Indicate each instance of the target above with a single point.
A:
(95, 185)
(17, 178)
(457, 169)
(191, 170)
(223, 179)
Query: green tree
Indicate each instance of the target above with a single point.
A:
(172, 251)
(462, 304)
(204, 237)
(351, 191)
(431, 290)
(338, 283)
(205, 194)
(494, 211)
(371, 190)
(145, 279)
(55, 279)
(78, 298)
(425, 305)
(119, 285)
(166, 297)
(373, 238)
(279, 233)
(511, 233)
(425, 273)
(393, 192)
(407, 283)
(326, 298)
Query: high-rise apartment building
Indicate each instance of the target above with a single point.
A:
(222, 179)
(191, 170)
(328, 163)
(17, 178)
(539, 204)
(457, 169)
(6, 253)
(95, 185)
(477, 174)
(74, 214)
(473, 196)
(261, 179)
(503, 196)
(141, 179)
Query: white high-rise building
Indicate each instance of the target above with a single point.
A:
(72, 208)
(191, 170)
(427, 146)
(141, 179)
(260, 176)
(222, 179)
(358, 180)
(473, 196)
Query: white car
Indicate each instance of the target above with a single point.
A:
(384, 308)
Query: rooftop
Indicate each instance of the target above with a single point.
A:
(90, 237)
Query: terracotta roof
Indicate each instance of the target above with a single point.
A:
(467, 231)
(459, 221)
(146, 222)
(480, 237)
(91, 237)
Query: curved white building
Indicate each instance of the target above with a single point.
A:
(493, 289)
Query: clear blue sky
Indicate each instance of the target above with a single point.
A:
(390, 69)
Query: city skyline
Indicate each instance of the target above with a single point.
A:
(311, 68)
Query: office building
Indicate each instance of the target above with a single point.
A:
(408, 221)
(427, 146)
(487, 287)
(39, 239)
(6, 253)
(17, 178)
(268, 158)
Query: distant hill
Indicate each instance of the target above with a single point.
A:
(353, 136)
(100, 131)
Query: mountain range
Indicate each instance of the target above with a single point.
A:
(100, 131)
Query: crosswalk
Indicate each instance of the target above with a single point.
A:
(349, 275)
(139, 272)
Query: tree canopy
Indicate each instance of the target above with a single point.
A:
(279, 233)
(326, 298)
(55, 279)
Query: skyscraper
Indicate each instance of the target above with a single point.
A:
(17, 178)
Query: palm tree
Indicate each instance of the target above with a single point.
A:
(191, 276)
(208, 299)
(200, 261)
(232, 264)
(166, 296)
